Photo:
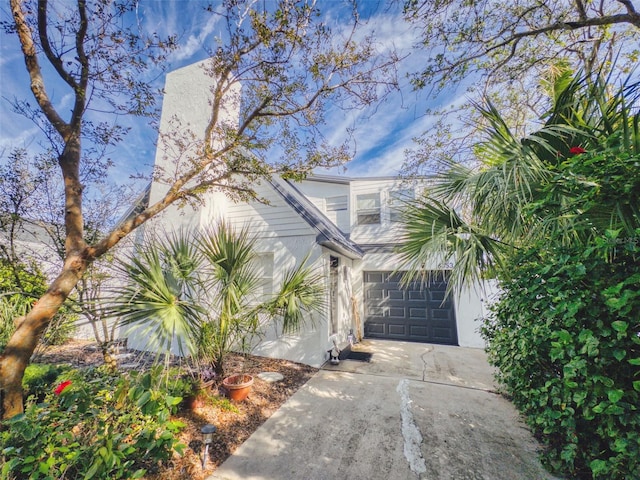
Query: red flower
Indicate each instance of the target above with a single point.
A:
(577, 150)
(61, 387)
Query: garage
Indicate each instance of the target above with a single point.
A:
(415, 313)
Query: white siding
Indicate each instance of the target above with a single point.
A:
(309, 345)
(275, 219)
(379, 233)
(318, 191)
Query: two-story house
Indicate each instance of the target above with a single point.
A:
(348, 227)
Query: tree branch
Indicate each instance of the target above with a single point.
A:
(33, 69)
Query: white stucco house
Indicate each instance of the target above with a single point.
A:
(347, 226)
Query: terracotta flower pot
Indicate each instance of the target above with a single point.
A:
(200, 397)
(238, 386)
(194, 402)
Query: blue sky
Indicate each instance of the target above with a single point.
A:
(382, 134)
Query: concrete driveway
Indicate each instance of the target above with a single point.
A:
(415, 411)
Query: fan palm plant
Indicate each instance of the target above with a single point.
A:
(159, 295)
(200, 291)
(551, 184)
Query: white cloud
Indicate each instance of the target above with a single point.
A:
(196, 42)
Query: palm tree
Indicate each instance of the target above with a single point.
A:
(551, 184)
(200, 291)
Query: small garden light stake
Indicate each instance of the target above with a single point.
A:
(207, 437)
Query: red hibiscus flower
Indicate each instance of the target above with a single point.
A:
(61, 387)
(577, 150)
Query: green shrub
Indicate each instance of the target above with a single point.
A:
(565, 336)
(20, 286)
(9, 310)
(100, 426)
(40, 378)
(179, 383)
(61, 329)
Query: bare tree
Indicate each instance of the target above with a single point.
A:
(291, 67)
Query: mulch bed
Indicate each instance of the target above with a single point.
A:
(235, 422)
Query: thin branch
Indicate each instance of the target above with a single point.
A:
(81, 90)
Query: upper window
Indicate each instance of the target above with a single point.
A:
(368, 208)
(397, 202)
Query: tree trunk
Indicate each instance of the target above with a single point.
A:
(24, 340)
(108, 355)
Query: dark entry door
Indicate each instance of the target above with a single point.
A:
(415, 313)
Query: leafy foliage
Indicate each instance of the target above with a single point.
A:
(20, 286)
(38, 379)
(99, 426)
(565, 335)
(503, 50)
(570, 181)
(503, 42)
(203, 292)
(554, 216)
(276, 69)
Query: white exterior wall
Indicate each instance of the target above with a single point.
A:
(471, 306)
(281, 231)
(306, 345)
(317, 191)
(384, 232)
(283, 234)
(274, 219)
(186, 112)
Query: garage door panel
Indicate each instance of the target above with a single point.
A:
(397, 329)
(417, 295)
(441, 334)
(436, 296)
(376, 328)
(375, 294)
(374, 277)
(417, 312)
(418, 331)
(438, 313)
(394, 278)
(397, 295)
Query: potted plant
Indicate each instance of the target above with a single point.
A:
(238, 386)
(195, 387)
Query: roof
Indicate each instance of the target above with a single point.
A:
(329, 235)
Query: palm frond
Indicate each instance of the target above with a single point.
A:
(155, 299)
(232, 256)
(436, 238)
(302, 292)
(571, 180)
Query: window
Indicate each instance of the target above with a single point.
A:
(337, 210)
(397, 201)
(368, 206)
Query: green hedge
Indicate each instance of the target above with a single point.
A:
(565, 336)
